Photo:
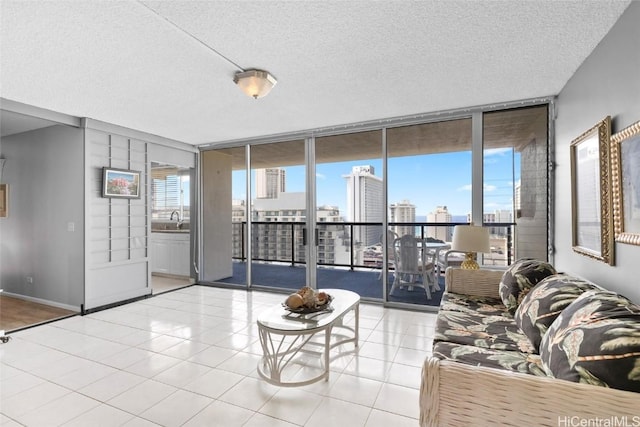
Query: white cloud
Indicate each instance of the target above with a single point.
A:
(497, 151)
(487, 187)
(320, 176)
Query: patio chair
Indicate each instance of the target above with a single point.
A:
(414, 265)
(449, 258)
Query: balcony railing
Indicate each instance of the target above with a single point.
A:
(351, 244)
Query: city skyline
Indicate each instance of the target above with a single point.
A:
(426, 181)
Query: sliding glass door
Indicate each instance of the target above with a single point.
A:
(429, 190)
(516, 184)
(278, 197)
(329, 210)
(349, 186)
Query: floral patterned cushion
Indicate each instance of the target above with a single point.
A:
(521, 276)
(495, 332)
(510, 360)
(473, 304)
(595, 340)
(544, 302)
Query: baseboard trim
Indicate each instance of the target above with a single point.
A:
(43, 301)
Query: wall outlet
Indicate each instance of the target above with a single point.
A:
(29, 279)
(71, 226)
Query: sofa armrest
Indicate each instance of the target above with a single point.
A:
(483, 283)
(454, 393)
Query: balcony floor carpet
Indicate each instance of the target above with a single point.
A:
(364, 283)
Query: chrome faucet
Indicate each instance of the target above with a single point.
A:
(178, 221)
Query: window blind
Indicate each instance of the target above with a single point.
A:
(168, 187)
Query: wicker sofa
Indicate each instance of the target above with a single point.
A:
(459, 392)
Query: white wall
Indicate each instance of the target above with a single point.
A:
(217, 262)
(43, 236)
(607, 83)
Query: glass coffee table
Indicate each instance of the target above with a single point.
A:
(285, 334)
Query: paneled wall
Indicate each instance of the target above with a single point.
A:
(117, 244)
(117, 237)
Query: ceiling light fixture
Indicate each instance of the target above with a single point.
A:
(255, 83)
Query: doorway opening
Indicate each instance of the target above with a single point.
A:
(171, 234)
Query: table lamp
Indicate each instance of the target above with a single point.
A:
(470, 239)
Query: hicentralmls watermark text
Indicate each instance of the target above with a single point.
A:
(613, 421)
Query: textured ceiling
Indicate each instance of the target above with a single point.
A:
(336, 62)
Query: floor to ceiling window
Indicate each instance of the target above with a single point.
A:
(349, 212)
(516, 165)
(331, 190)
(429, 182)
(278, 215)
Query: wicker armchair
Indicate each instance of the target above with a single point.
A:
(457, 394)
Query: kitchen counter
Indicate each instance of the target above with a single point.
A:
(169, 227)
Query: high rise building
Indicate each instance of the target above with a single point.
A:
(333, 237)
(364, 203)
(270, 182)
(238, 218)
(441, 214)
(403, 211)
(503, 216)
(274, 239)
(238, 210)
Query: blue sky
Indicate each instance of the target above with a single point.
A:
(426, 181)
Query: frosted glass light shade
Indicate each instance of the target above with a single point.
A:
(255, 83)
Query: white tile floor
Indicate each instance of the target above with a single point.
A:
(189, 358)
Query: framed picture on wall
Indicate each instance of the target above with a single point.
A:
(625, 163)
(591, 200)
(4, 200)
(120, 183)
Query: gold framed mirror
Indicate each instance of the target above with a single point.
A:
(591, 199)
(625, 167)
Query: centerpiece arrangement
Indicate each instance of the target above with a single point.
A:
(307, 300)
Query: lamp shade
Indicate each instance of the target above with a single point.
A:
(255, 83)
(470, 238)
